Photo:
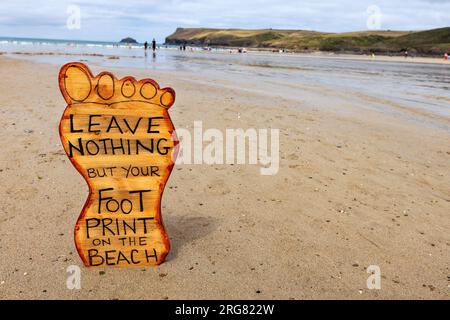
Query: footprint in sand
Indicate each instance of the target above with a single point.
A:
(217, 187)
(23, 194)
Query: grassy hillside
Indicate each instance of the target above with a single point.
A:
(430, 42)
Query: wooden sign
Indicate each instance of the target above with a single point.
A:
(119, 136)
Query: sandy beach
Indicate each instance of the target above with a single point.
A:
(357, 186)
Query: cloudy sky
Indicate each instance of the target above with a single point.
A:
(111, 20)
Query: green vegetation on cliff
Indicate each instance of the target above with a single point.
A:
(430, 42)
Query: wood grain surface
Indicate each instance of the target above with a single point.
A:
(119, 136)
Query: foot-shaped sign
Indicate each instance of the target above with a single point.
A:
(119, 136)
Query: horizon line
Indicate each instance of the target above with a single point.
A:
(253, 29)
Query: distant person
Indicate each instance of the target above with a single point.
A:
(145, 45)
(406, 54)
(184, 46)
(154, 45)
(446, 56)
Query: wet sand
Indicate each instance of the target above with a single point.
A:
(319, 54)
(383, 58)
(357, 186)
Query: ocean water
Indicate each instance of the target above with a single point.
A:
(390, 86)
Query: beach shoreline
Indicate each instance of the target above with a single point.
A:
(256, 51)
(357, 186)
